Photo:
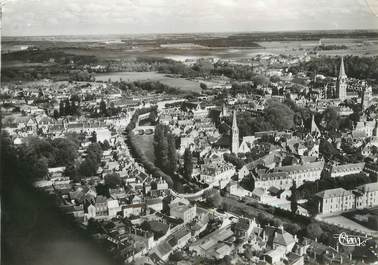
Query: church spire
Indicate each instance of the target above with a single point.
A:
(341, 85)
(234, 121)
(235, 135)
(342, 73)
(314, 127)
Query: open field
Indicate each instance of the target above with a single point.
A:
(347, 223)
(180, 83)
(146, 143)
(130, 76)
(367, 47)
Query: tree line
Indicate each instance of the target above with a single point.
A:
(348, 182)
(165, 149)
(138, 152)
(355, 66)
(32, 159)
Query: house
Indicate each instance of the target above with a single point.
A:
(214, 244)
(177, 239)
(346, 169)
(283, 177)
(161, 184)
(243, 228)
(155, 203)
(260, 195)
(113, 207)
(216, 172)
(274, 256)
(133, 209)
(335, 200)
(367, 195)
(364, 127)
(235, 189)
(101, 207)
(91, 211)
(78, 211)
(185, 212)
(247, 144)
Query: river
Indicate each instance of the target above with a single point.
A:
(36, 233)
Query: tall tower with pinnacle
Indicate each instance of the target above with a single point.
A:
(366, 96)
(341, 85)
(314, 128)
(235, 135)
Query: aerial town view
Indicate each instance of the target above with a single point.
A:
(189, 132)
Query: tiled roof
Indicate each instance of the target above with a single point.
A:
(348, 167)
(283, 238)
(369, 187)
(331, 193)
(301, 168)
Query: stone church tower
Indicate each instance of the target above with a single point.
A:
(366, 96)
(235, 135)
(341, 85)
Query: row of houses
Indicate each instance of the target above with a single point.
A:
(340, 200)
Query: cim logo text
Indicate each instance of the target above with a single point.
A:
(351, 240)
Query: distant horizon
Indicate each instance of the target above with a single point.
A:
(194, 33)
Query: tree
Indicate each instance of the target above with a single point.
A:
(233, 159)
(293, 199)
(56, 114)
(94, 151)
(103, 190)
(61, 108)
(70, 171)
(203, 86)
(188, 164)
(67, 107)
(314, 230)
(103, 110)
(113, 180)
(292, 228)
(93, 138)
(262, 219)
(331, 118)
(275, 79)
(153, 116)
(74, 108)
(88, 168)
(260, 80)
(172, 154)
(105, 145)
(214, 199)
(93, 226)
(161, 146)
(327, 149)
(65, 151)
(373, 222)
(279, 115)
(40, 168)
(248, 182)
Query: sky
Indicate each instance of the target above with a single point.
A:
(78, 17)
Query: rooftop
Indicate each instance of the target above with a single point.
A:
(331, 193)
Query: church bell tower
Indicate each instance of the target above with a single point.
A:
(235, 135)
(341, 85)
